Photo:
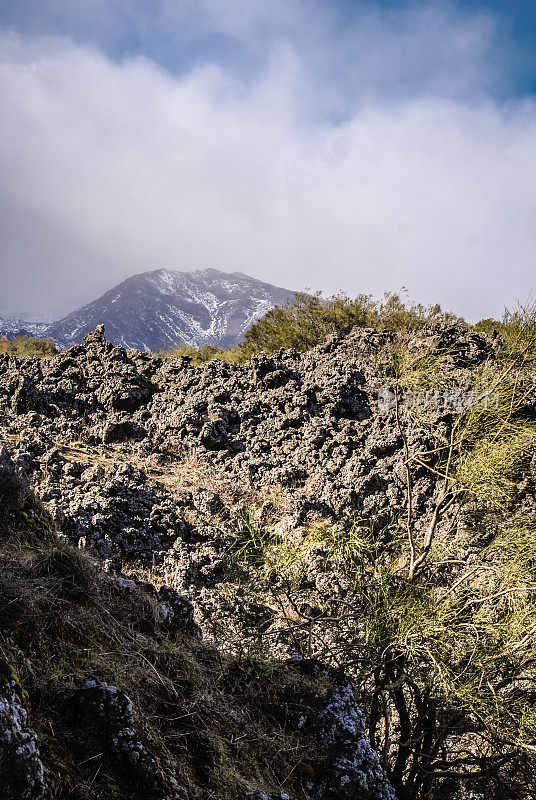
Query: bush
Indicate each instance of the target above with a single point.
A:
(28, 346)
(517, 330)
(309, 320)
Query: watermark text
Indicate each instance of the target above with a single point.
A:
(435, 400)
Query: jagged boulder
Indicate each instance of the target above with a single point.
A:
(354, 769)
(111, 714)
(14, 487)
(22, 775)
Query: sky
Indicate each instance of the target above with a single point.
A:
(335, 145)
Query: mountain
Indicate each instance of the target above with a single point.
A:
(158, 308)
(13, 326)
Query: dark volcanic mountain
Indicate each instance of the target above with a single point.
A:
(156, 309)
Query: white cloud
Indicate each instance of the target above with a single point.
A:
(112, 168)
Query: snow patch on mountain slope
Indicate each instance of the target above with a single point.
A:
(11, 326)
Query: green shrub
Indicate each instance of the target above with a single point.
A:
(497, 464)
(517, 330)
(28, 346)
(306, 322)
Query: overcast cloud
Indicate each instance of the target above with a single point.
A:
(305, 149)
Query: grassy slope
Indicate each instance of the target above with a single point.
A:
(220, 727)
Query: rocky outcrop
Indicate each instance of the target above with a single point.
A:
(351, 768)
(309, 421)
(22, 775)
(354, 769)
(111, 713)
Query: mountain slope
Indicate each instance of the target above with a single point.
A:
(13, 326)
(156, 309)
